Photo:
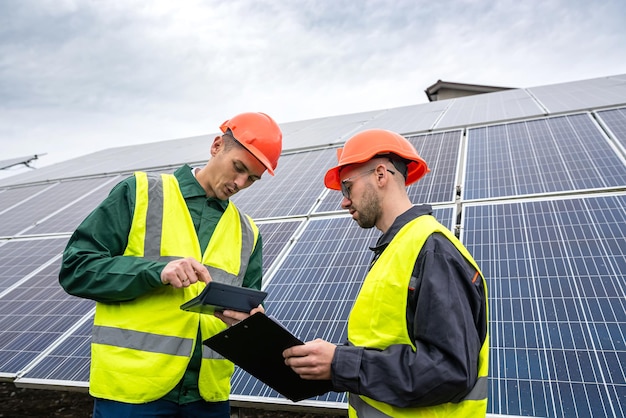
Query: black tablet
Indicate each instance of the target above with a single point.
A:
(219, 297)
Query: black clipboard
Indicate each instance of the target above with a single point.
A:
(219, 296)
(256, 345)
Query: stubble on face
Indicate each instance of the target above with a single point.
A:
(368, 208)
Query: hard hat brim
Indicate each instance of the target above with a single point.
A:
(416, 170)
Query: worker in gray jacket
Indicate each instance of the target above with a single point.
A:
(418, 333)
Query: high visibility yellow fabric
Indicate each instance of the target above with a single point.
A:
(143, 346)
(378, 318)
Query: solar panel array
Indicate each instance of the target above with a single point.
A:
(542, 204)
(558, 303)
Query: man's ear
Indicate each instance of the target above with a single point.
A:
(218, 144)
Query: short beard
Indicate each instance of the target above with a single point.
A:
(369, 208)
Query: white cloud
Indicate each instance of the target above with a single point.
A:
(78, 76)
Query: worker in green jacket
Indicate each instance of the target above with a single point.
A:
(152, 245)
(418, 338)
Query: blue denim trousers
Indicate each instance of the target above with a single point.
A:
(104, 408)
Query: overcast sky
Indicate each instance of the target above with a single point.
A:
(85, 75)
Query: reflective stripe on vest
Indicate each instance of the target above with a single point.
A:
(382, 324)
(362, 409)
(142, 341)
(139, 350)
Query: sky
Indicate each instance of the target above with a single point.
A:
(78, 76)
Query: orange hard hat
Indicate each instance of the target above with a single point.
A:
(371, 143)
(259, 134)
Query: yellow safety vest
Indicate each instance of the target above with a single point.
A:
(141, 348)
(378, 320)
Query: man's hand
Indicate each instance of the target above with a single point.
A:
(230, 317)
(184, 272)
(312, 360)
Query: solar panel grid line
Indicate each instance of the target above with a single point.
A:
(70, 215)
(596, 349)
(48, 200)
(57, 343)
(249, 401)
(43, 311)
(555, 165)
(277, 240)
(19, 257)
(443, 157)
(68, 362)
(442, 114)
(565, 128)
(14, 195)
(544, 336)
(562, 215)
(61, 209)
(27, 277)
(528, 176)
(328, 203)
(290, 193)
(553, 353)
(26, 199)
(613, 123)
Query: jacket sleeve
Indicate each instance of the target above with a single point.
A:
(442, 314)
(93, 265)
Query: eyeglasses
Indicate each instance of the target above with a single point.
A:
(345, 188)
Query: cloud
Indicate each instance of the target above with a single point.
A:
(76, 76)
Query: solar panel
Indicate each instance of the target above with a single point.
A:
(20, 258)
(314, 289)
(11, 197)
(553, 252)
(66, 219)
(416, 118)
(615, 120)
(567, 153)
(441, 152)
(556, 271)
(291, 191)
(276, 236)
(33, 315)
(30, 211)
(579, 95)
(484, 108)
(67, 364)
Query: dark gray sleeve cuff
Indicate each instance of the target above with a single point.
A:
(345, 368)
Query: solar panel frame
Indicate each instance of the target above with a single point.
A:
(33, 315)
(12, 197)
(557, 340)
(67, 218)
(290, 192)
(614, 121)
(484, 108)
(20, 258)
(34, 209)
(540, 156)
(66, 364)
